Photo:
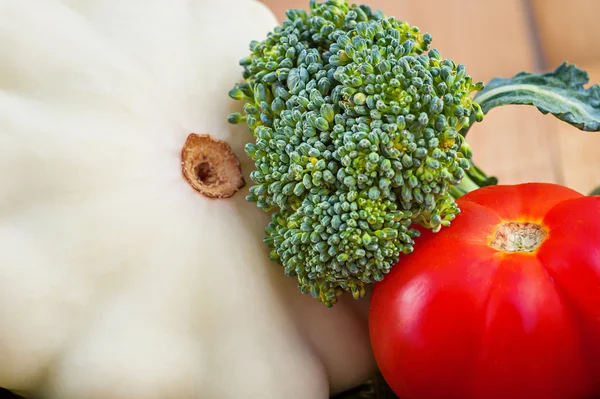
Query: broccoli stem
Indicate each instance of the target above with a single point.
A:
(466, 185)
(474, 178)
(479, 177)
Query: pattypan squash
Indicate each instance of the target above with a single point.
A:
(131, 264)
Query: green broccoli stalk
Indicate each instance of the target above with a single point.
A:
(359, 136)
(357, 129)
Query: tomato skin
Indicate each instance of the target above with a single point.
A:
(458, 319)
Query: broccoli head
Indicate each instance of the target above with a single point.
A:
(357, 138)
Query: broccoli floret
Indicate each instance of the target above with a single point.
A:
(357, 139)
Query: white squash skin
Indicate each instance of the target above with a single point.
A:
(117, 280)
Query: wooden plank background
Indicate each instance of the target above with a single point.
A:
(501, 38)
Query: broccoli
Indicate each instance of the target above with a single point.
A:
(357, 127)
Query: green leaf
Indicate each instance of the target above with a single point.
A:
(596, 191)
(560, 93)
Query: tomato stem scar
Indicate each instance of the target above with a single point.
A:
(518, 237)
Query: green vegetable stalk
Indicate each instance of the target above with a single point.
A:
(359, 135)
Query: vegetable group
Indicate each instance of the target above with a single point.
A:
(131, 267)
(503, 304)
(358, 134)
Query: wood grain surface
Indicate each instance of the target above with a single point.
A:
(501, 38)
(568, 30)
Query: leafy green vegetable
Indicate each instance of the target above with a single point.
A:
(596, 191)
(560, 93)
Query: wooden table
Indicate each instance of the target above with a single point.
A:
(501, 38)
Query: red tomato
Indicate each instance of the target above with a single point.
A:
(503, 304)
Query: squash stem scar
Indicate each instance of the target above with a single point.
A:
(211, 167)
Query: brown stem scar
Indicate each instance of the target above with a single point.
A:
(210, 166)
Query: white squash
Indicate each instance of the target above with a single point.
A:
(117, 279)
